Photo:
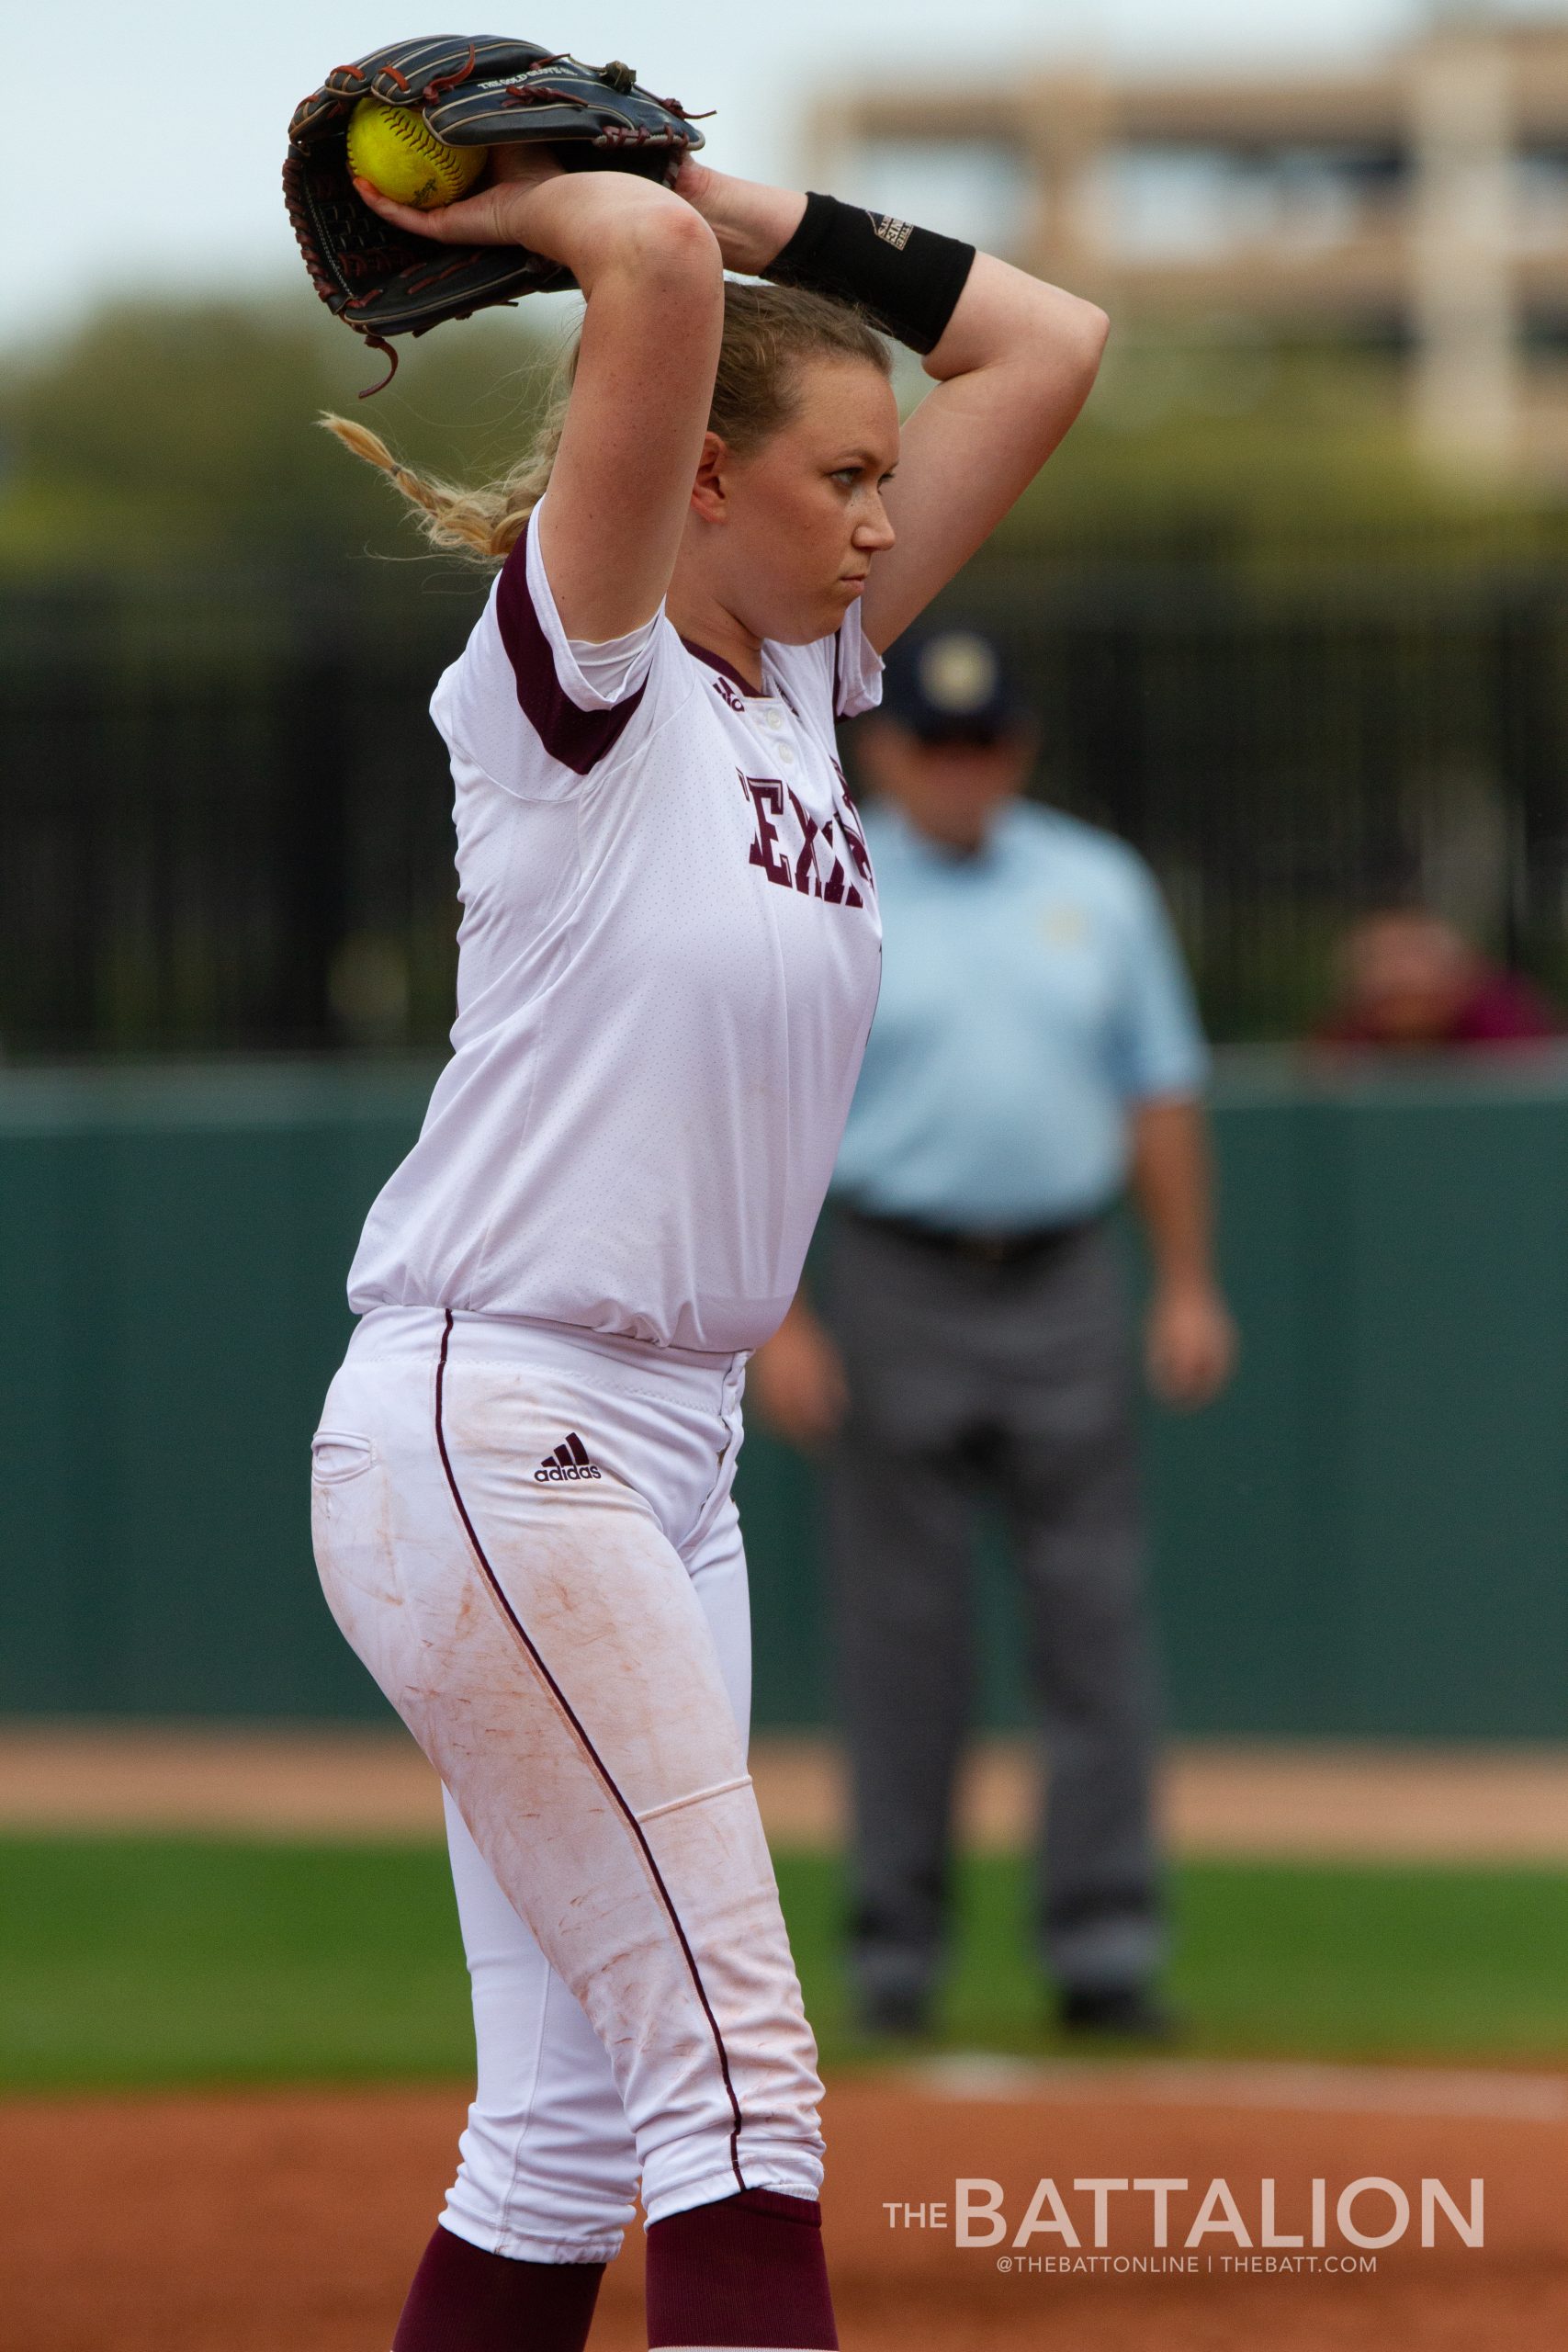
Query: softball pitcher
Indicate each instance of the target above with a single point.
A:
(669, 956)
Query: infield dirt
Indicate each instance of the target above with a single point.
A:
(251, 2223)
(1489, 1805)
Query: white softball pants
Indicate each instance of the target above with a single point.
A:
(528, 1536)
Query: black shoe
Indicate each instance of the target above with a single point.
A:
(1119, 2012)
(901, 2015)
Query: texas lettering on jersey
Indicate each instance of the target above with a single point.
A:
(800, 852)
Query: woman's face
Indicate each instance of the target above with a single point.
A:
(800, 521)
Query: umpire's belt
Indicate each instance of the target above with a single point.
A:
(1026, 1249)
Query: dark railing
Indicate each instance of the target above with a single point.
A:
(224, 815)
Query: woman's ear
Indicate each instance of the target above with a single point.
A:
(709, 492)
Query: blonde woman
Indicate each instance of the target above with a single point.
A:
(668, 962)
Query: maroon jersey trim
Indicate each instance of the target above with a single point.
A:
(725, 668)
(578, 739)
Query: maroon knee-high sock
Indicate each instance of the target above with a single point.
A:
(463, 2300)
(748, 2271)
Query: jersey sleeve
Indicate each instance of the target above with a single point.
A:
(836, 677)
(1160, 1044)
(538, 711)
(857, 668)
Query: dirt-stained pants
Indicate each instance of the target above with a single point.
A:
(529, 1538)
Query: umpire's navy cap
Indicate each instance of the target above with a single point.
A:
(950, 685)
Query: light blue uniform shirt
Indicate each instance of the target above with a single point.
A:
(1029, 994)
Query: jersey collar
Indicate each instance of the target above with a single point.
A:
(726, 670)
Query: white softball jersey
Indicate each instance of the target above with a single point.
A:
(668, 962)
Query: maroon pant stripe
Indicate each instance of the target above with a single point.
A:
(633, 1824)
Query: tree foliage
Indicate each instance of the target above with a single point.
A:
(1225, 449)
(163, 432)
(166, 431)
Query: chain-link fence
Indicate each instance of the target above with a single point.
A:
(225, 814)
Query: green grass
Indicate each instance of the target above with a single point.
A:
(139, 1961)
(1271, 1959)
(157, 1960)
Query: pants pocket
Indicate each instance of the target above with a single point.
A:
(352, 1520)
(337, 1455)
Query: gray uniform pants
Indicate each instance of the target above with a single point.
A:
(969, 1380)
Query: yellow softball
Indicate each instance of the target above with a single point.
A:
(392, 148)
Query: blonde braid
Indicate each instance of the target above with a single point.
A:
(486, 522)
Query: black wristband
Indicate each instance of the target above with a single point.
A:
(908, 280)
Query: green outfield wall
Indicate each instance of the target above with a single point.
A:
(1368, 1536)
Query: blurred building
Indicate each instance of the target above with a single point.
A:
(1419, 203)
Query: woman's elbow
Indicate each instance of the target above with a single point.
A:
(673, 241)
(1057, 335)
(1083, 334)
(1067, 352)
(664, 251)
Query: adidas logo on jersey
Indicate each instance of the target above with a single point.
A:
(568, 1461)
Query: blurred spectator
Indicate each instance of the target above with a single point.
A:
(1034, 1049)
(1410, 981)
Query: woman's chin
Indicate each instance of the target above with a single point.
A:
(845, 592)
(804, 627)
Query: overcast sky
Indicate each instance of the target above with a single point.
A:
(172, 178)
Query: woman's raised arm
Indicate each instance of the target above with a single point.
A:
(1015, 365)
(1014, 361)
(650, 270)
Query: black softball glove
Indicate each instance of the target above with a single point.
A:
(471, 93)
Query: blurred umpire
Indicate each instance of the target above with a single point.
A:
(1035, 1052)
